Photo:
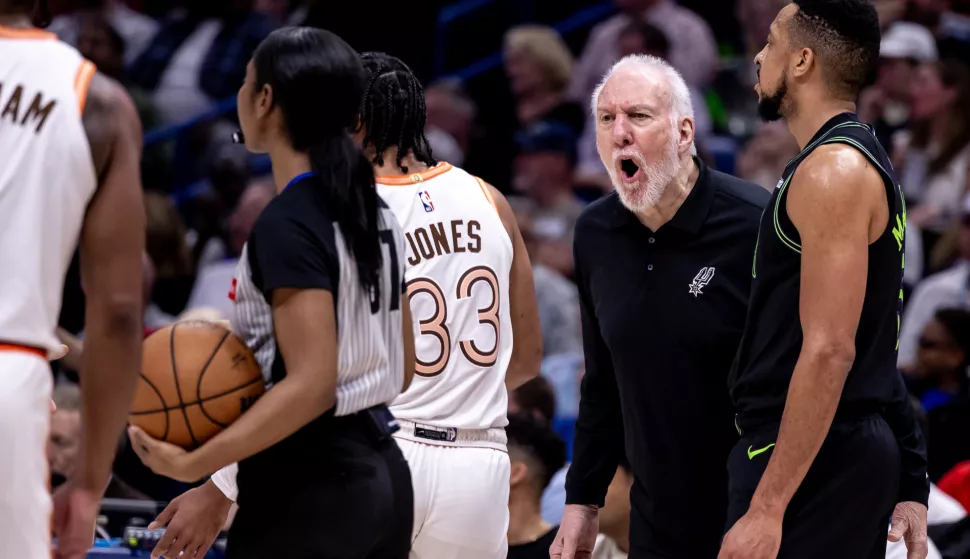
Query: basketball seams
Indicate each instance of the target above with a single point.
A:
(178, 389)
(160, 399)
(198, 384)
(203, 400)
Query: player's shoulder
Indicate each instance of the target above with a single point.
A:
(837, 168)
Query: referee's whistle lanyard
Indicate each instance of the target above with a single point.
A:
(298, 178)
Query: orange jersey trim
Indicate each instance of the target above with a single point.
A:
(32, 33)
(82, 80)
(488, 194)
(24, 349)
(404, 180)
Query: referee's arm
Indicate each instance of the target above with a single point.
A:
(598, 438)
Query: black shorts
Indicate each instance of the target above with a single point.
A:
(348, 497)
(842, 508)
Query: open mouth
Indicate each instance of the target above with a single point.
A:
(629, 168)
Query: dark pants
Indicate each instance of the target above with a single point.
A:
(842, 508)
(348, 496)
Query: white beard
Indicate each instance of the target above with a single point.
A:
(650, 187)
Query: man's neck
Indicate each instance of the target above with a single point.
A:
(938, 126)
(390, 168)
(808, 121)
(525, 520)
(673, 197)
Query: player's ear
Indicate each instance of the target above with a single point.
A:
(804, 61)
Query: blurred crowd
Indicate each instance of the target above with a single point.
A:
(526, 127)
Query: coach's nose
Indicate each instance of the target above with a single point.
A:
(622, 131)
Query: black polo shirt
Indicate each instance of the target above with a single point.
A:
(663, 312)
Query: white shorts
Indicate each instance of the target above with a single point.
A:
(461, 499)
(25, 416)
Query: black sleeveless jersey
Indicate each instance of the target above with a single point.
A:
(772, 336)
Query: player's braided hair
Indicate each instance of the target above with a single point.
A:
(393, 112)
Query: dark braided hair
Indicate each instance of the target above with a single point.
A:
(393, 111)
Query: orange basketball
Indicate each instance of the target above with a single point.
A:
(197, 377)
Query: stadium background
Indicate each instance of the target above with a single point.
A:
(507, 84)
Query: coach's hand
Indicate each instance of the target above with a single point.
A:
(757, 535)
(577, 533)
(909, 525)
(165, 459)
(194, 521)
(75, 512)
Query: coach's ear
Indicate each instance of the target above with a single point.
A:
(519, 474)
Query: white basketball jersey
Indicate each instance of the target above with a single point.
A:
(459, 257)
(47, 178)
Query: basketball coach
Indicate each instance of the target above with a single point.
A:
(664, 270)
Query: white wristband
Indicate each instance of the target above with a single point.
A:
(225, 480)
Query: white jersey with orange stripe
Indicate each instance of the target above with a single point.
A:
(47, 179)
(459, 257)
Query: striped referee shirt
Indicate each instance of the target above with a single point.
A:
(297, 243)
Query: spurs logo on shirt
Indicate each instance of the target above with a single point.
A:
(459, 257)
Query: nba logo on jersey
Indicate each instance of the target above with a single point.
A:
(232, 290)
(425, 198)
(452, 434)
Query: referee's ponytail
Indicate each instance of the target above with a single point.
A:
(318, 84)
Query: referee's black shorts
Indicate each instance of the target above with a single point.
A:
(842, 508)
(333, 490)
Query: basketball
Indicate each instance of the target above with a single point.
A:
(197, 377)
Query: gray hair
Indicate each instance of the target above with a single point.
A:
(680, 100)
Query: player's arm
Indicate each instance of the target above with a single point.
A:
(526, 332)
(832, 200)
(112, 243)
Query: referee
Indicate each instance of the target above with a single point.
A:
(318, 298)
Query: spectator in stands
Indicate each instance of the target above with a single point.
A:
(544, 173)
(100, 43)
(942, 508)
(199, 56)
(65, 442)
(948, 288)
(693, 51)
(169, 253)
(283, 13)
(933, 156)
(886, 104)
(765, 156)
(135, 29)
(539, 65)
(214, 278)
(613, 541)
(939, 376)
(535, 399)
(638, 37)
(451, 120)
(536, 453)
(956, 484)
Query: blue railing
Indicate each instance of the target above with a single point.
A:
(448, 15)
